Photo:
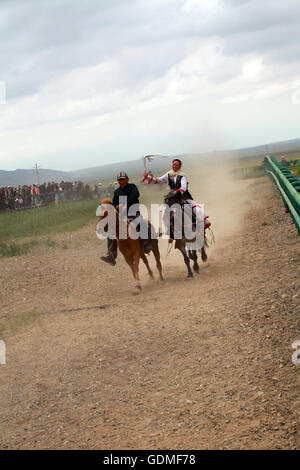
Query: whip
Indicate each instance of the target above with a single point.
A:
(150, 158)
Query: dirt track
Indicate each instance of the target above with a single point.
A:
(198, 364)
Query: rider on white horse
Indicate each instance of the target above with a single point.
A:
(177, 181)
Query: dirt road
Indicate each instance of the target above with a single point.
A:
(185, 365)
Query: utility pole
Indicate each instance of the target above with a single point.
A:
(36, 168)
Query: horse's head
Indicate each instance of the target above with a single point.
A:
(173, 198)
(107, 218)
(104, 209)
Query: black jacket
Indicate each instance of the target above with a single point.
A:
(132, 193)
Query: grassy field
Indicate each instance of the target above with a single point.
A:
(296, 170)
(32, 223)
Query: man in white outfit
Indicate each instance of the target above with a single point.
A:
(177, 181)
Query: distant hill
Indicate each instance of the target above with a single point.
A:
(286, 146)
(16, 177)
(136, 167)
(132, 167)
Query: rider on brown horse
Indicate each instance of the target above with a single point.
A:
(130, 191)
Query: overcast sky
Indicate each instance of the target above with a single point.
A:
(90, 82)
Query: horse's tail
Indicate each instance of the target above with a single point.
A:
(206, 244)
(203, 252)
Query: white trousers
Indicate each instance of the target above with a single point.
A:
(198, 210)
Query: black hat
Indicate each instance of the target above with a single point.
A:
(122, 175)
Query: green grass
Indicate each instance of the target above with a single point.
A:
(296, 170)
(14, 249)
(45, 220)
(50, 243)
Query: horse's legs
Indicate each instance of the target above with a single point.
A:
(186, 258)
(133, 262)
(203, 254)
(194, 257)
(155, 249)
(147, 265)
(135, 268)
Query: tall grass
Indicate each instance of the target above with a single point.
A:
(296, 170)
(46, 220)
(16, 249)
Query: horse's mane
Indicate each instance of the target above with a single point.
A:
(107, 200)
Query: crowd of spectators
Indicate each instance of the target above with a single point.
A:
(27, 197)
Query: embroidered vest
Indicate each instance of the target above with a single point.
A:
(177, 184)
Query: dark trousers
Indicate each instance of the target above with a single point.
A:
(112, 247)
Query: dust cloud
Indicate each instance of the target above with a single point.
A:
(224, 197)
(212, 184)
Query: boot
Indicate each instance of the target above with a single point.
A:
(108, 259)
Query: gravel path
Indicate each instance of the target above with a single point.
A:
(185, 365)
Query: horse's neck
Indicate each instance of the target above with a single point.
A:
(118, 225)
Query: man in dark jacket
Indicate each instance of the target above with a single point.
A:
(126, 189)
(132, 193)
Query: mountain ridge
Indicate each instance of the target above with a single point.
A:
(136, 167)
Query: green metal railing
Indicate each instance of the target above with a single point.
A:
(288, 185)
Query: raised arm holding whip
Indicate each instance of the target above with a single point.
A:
(177, 182)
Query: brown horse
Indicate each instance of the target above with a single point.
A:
(131, 249)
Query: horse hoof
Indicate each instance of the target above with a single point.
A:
(189, 278)
(138, 289)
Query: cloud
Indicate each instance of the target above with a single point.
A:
(72, 68)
